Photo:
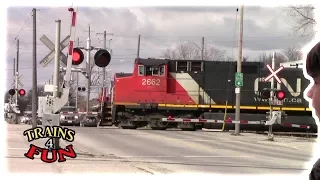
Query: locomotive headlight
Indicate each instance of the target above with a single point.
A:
(76, 117)
(62, 116)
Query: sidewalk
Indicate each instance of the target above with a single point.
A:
(298, 143)
(17, 145)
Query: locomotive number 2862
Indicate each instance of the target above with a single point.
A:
(151, 82)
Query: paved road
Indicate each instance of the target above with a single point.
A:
(172, 151)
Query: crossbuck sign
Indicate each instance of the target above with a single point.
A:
(19, 81)
(273, 74)
(45, 61)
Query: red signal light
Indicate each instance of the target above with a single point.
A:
(22, 92)
(77, 56)
(280, 95)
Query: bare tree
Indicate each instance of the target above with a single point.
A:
(304, 20)
(189, 52)
(214, 54)
(266, 58)
(245, 58)
(293, 53)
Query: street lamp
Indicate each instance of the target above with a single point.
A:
(201, 49)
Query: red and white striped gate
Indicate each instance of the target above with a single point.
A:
(228, 121)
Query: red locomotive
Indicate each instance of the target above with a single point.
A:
(195, 89)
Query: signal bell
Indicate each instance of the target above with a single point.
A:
(77, 56)
(102, 58)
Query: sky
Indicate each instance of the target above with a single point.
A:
(265, 29)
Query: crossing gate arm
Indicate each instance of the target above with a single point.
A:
(199, 120)
(229, 122)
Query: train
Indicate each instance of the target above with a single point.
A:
(162, 89)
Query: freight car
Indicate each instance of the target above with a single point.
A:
(162, 88)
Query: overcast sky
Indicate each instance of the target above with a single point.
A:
(265, 30)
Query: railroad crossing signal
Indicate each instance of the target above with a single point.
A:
(21, 92)
(239, 79)
(77, 56)
(12, 92)
(265, 94)
(279, 94)
(81, 89)
(102, 57)
(19, 81)
(273, 74)
(46, 60)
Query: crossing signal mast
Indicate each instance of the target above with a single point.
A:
(52, 104)
(275, 97)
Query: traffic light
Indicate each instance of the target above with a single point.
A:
(77, 56)
(102, 58)
(280, 95)
(264, 94)
(81, 89)
(22, 92)
(12, 92)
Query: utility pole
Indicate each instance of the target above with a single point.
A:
(88, 68)
(14, 67)
(34, 72)
(104, 69)
(202, 48)
(138, 50)
(16, 74)
(237, 125)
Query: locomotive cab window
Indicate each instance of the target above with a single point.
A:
(182, 66)
(152, 71)
(141, 70)
(148, 71)
(162, 70)
(196, 66)
(155, 71)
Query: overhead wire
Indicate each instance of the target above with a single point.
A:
(230, 70)
(23, 26)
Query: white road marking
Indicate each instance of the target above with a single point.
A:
(24, 149)
(184, 156)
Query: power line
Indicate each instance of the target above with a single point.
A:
(165, 36)
(19, 31)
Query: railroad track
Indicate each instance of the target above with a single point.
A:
(294, 134)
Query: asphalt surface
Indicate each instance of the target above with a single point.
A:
(171, 151)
